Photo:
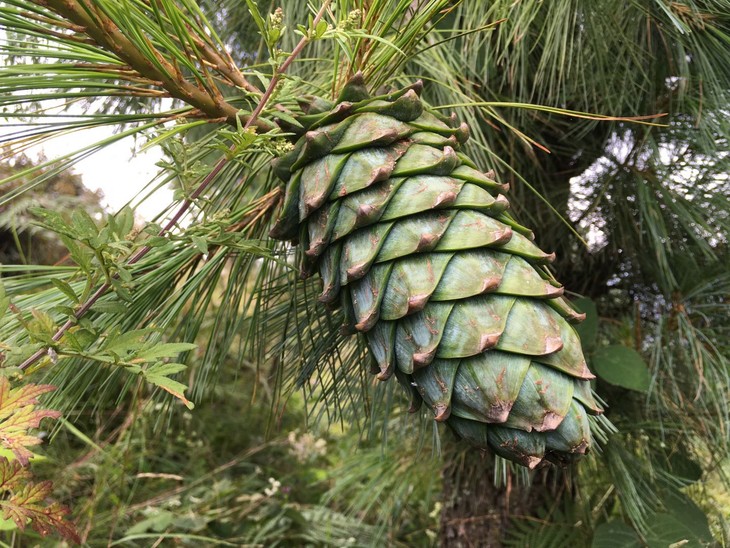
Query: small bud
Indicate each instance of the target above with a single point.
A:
(352, 21)
(276, 18)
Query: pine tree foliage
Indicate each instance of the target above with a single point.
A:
(649, 198)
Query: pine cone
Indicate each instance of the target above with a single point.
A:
(452, 295)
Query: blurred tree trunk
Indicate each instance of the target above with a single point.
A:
(476, 513)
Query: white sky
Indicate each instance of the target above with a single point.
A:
(116, 170)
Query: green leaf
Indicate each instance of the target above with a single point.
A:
(7, 525)
(113, 307)
(258, 19)
(615, 534)
(126, 342)
(166, 350)
(156, 241)
(12, 474)
(124, 222)
(121, 291)
(588, 328)
(199, 243)
(124, 274)
(621, 366)
(18, 354)
(665, 530)
(84, 225)
(52, 221)
(42, 327)
(8, 454)
(320, 29)
(65, 288)
(80, 254)
(289, 119)
(62, 310)
(686, 512)
(158, 375)
(79, 338)
(158, 522)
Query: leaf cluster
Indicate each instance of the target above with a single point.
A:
(25, 501)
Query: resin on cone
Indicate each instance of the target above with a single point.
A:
(452, 295)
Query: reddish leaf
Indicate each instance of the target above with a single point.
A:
(27, 394)
(28, 504)
(11, 474)
(24, 501)
(18, 415)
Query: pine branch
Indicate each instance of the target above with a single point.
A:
(102, 29)
(266, 204)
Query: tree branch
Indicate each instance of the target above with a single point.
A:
(140, 253)
(107, 34)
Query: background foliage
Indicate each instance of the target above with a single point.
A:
(199, 306)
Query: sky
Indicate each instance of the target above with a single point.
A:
(117, 171)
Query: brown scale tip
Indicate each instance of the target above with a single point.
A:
(581, 448)
(504, 237)
(367, 323)
(315, 248)
(347, 329)
(417, 86)
(490, 284)
(553, 291)
(426, 242)
(553, 344)
(382, 173)
(442, 412)
(342, 108)
(585, 373)
(385, 138)
(357, 271)
(551, 257)
(328, 294)
(445, 198)
(549, 422)
(385, 372)
(502, 202)
(488, 340)
(311, 136)
(417, 303)
(364, 211)
(532, 462)
(462, 134)
(499, 412)
(415, 405)
(422, 359)
(310, 204)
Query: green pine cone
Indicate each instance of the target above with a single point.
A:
(414, 242)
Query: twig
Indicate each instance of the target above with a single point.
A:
(108, 35)
(141, 252)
